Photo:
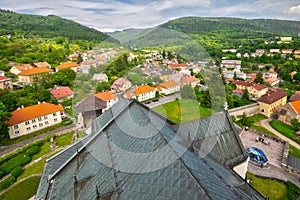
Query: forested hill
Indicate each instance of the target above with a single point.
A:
(199, 25)
(46, 26)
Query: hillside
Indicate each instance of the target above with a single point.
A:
(46, 27)
(229, 26)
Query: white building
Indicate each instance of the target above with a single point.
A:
(144, 92)
(168, 87)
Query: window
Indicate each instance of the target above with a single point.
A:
(33, 121)
(46, 122)
(54, 114)
(17, 132)
(40, 119)
(28, 129)
(55, 119)
(45, 117)
(27, 123)
(40, 124)
(16, 126)
(34, 126)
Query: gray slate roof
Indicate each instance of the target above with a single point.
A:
(90, 103)
(99, 166)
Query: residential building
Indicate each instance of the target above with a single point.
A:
(286, 39)
(108, 97)
(100, 77)
(287, 51)
(231, 74)
(295, 97)
(231, 64)
(62, 94)
(19, 68)
(274, 50)
(255, 90)
(68, 65)
(178, 66)
(32, 75)
(168, 87)
(290, 111)
(89, 109)
(144, 92)
(42, 64)
(189, 80)
(238, 92)
(120, 85)
(260, 51)
(297, 53)
(271, 102)
(2, 73)
(134, 153)
(165, 74)
(33, 118)
(6, 83)
(87, 64)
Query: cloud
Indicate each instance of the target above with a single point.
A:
(109, 15)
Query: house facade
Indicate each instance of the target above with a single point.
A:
(168, 87)
(20, 68)
(231, 64)
(256, 90)
(108, 97)
(290, 111)
(32, 75)
(6, 83)
(272, 101)
(120, 85)
(144, 92)
(33, 118)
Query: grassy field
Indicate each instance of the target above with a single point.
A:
(274, 190)
(285, 130)
(182, 110)
(23, 190)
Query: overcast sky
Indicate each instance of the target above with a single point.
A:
(111, 15)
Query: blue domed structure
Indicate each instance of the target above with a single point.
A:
(257, 156)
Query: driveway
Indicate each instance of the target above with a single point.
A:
(163, 100)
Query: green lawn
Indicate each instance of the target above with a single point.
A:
(285, 130)
(293, 151)
(273, 189)
(262, 130)
(257, 118)
(182, 110)
(23, 190)
(36, 168)
(64, 140)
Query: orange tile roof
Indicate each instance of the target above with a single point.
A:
(23, 67)
(61, 92)
(175, 65)
(32, 112)
(168, 84)
(296, 106)
(143, 89)
(67, 65)
(105, 96)
(33, 71)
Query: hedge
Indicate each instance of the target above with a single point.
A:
(17, 171)
(20, 160)
(33, 150)
(7, 182)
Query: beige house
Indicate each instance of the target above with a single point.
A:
(272, 101)
(109, 98)
(6, 83)
(168, 87)
(68, 65)
(32, 75)
(33, 118)
(20, 68)
(255, 89)
(120, 85)
(290, 111)
(144, 92)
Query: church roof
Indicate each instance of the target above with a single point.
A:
(134, 153)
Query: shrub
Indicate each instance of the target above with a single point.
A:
(1, 174)
(48, 137)
(66, 121)
(33, 150)
(17, 171)
(7, 182)
(13, 163)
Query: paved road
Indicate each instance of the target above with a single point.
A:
(265, 123)
(274, 172)
(163, 100)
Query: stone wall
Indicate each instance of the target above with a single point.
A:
(250, 110)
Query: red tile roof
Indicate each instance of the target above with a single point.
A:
(272, 96)
(296, 106)
(259, 87)
(175, 65)
(23, 67)
(189, 79)
(143, 89)
(67, 65)
(61, 92)
(32, 112)
(105, 96)
(4, 78)
(33, 71)
(118, 83)
(42, 64)
(238, 91)
(243, 83)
